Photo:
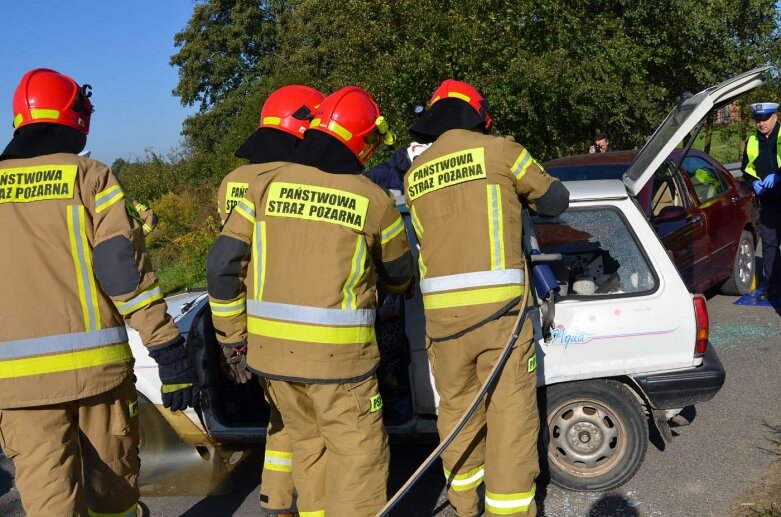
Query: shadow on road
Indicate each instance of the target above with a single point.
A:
(246, 480)
(6, 479)
(613, 506)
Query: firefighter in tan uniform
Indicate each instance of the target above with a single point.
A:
(283, 119)
(68, 408)
(301, 252)
(465, 195)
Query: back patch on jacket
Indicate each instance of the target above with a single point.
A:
(447, 170)
(317, 204)
(37, 183)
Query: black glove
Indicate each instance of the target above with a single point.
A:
(180, 388)
(236, 359)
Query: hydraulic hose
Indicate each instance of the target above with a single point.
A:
(508, 347)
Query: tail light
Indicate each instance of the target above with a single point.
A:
(703, 325)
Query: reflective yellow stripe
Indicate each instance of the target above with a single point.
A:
(459, 95)
(245, 209)
(318, 513)
(278, 461)
(139, 301)
(170, 388)
(272, 121)
(466, 480)
(130, 512)
(522, 163)
(108, 197)
(82, 259)
(18, 119)
(471, 297)
(350, 300)
(391, 231)
(310, 333)
(64, 362)
(228, 309)
(147, 228)
(44, 113)
(259, 258)
(506, 504)
(495, 227)
(416, 222)
(421, 265)
(340, 130)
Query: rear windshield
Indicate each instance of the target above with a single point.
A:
(588, 172)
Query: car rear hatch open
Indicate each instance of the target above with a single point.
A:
(689, 112)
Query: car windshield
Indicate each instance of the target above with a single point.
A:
(588, 172)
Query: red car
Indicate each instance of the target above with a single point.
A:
(703, 215)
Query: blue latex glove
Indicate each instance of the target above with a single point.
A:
(759, 188)
(771, 180)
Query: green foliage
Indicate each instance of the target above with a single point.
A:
(554, 72)
(187, 229)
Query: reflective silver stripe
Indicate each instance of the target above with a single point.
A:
(62, 343)
(141, 300)
(496, 226)
(466, 280)
(521, 166)
(350, 298)
(108, 197)
(250, 210)
(306, 314)
(84, 265)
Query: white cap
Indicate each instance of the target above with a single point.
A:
(763, 109)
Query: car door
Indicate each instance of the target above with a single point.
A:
(685, 238)
(717, 201)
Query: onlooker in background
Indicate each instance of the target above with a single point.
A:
(760, 165)
(601, 143)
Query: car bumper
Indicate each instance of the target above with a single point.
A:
(685, 387)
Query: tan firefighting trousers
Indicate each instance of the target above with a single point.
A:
(276, 481)
(499, 444)
(340, 447)
(76, 457)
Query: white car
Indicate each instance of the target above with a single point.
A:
(623, 341)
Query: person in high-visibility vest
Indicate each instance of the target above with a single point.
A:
(301, 253)
(465, 194)
(760, 166)
(284, 117)
(77, 274)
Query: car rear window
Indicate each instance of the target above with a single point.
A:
(588, 172)
(600, 254)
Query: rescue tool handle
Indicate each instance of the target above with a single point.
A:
(508, 347)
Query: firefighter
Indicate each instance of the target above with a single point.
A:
(68, 406)
(300, 251)
(142, 214)
(465, 195)
(283, 119)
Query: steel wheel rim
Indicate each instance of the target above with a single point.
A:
(745, 263)
(586, 438)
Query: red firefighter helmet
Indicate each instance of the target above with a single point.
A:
(451, 88)
(44, 95)
(350, 115)
(290, 109)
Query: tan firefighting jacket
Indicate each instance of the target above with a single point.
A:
(463, 194)
(236, 183)
(72, 272)
(299, 254)
(142, 214)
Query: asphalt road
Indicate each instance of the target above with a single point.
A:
(703, 472)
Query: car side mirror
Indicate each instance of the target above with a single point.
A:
(669, 214)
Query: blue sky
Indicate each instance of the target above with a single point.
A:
(121, 48)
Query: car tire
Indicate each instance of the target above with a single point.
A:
(741, 279)
(596, 434)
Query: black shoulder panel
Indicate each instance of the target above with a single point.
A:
(223, 267)
(115, 266)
